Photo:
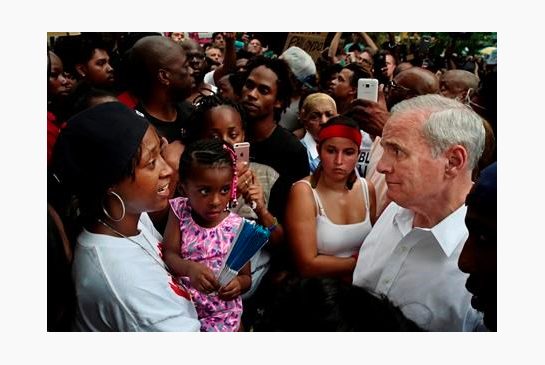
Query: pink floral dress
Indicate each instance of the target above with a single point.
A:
(209, 246)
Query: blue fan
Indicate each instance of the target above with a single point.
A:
(250, 238)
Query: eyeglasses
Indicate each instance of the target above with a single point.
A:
(468, 101)
(392, 85)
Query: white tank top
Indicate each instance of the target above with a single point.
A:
(341, 240)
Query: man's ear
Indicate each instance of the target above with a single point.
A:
(457, 160)
(163, 76)
(81, 69)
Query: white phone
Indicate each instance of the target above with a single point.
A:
(368, 89)
(242, 150)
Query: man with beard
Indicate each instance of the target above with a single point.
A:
(161, 80)
(265, 95)
(479, 255)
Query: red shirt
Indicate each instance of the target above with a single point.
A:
(53, 131)
(128, 99)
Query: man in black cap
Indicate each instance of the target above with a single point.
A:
(109, 157)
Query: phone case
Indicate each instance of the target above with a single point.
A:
(368, 89)
(242, 151)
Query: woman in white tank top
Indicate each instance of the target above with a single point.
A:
(330, 213)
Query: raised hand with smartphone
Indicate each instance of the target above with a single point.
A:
(370, 115)
(368, 89)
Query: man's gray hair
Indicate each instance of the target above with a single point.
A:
(447, 122)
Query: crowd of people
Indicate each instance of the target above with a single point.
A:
(381, 214)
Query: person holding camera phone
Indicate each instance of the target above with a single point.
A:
(385, 64)
(217, 117)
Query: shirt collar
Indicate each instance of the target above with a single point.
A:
(311, 145)
(448, 233)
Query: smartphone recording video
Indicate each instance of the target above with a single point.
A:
(368, 89)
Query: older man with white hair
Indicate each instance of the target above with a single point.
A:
(431, 144)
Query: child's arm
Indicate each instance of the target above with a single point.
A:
(202, 278)
(254, 192)
(238, 285)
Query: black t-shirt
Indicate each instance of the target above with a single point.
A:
(284, 153)
(170, 130)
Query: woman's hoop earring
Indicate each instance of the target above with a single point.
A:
(122, 207)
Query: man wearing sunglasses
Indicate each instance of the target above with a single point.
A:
(407, 84)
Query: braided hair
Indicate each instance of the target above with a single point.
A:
(210, 153)
(203, 104)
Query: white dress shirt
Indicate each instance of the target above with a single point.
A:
(417, 269)
(312, 151)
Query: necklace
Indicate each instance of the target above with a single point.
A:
(162, 264)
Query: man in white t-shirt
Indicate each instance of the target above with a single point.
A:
(431, 144)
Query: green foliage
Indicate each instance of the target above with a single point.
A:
(474, 41)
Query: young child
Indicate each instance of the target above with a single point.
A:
(217, 117)
(200, 231)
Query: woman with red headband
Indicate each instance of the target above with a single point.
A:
(330, 213)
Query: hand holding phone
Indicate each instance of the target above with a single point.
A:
(368, 89)
(242, 151)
